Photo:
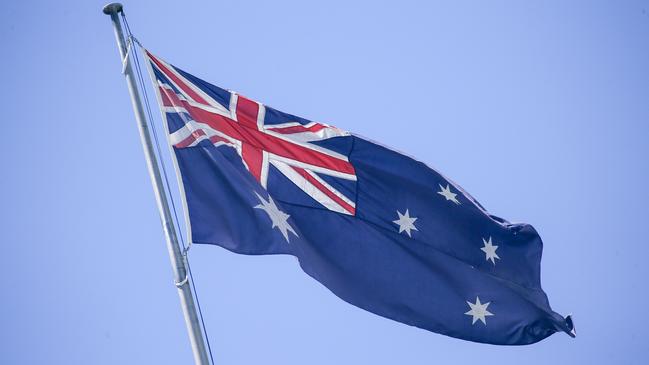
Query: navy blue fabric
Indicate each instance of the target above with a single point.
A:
(219, 95)
(425, 280)
(274, 116)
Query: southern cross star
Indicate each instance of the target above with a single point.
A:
(479, 311)
(490, 250)
(277, 217)
(446, 192)
(406, 222)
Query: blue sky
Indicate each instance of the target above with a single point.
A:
(539, 109)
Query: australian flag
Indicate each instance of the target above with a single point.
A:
(381, 230)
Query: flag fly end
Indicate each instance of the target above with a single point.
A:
(571, 325)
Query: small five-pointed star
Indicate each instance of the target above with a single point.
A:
(479, 311)
(405, 222)
(490, 250)
(279, 218)
(446, 192)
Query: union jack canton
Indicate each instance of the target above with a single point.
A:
(243, 125)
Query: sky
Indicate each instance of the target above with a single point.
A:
(539, 109)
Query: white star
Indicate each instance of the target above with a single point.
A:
(490, 250)
(446, 192)
(279, 218)
(478, 311)
(405, 222)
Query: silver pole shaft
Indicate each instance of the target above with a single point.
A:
(196, 337)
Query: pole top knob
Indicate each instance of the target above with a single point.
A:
(113, 8)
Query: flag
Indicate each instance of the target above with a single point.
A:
(381, 230)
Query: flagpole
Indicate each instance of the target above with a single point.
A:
(178, 263)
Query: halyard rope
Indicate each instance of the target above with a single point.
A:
(167, 188)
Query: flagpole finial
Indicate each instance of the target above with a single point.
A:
(113, 8)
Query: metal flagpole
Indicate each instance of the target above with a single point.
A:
(175, 254)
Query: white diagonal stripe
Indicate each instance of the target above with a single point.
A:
(308, 188)
(189, 84)
(322, 170)
(330, 188)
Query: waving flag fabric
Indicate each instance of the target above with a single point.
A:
(379, 229)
